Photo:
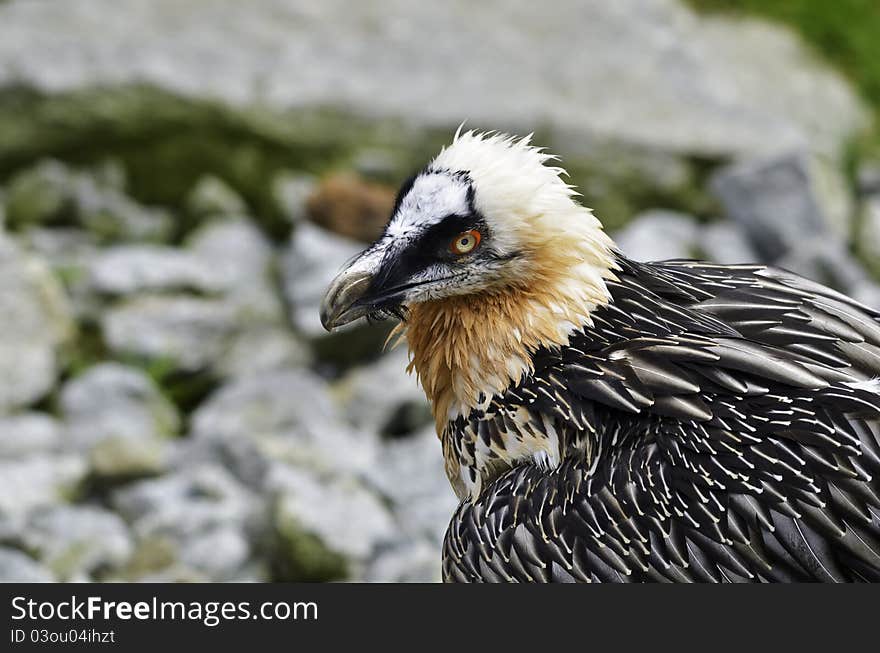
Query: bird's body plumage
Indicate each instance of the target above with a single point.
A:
(715, 423)
(608, 420)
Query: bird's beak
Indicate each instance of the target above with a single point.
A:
(352, 293)
(340, 304)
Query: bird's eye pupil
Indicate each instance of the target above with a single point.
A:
(465, 242)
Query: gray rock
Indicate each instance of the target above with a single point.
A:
(656, 235)
(111, 400)
(11, 526)
(186, 333)
(16, 567)
(112, 215)
(290, 192)
(227, 255)
(69, 251)
(52, 193)
(312, 259)
(867, 292)
(171, 572)
(76, 541)
(835, 196)
(223, 565)
(338, 515)
(247, 459)
(263, 349)
(868, 242)
(827, 261)
(284, 416)
(263, 341)
(868, 178)
(725, 242)
(383, 398)
(411, 562)
(129, 269)
(779, 202)
(212, 196)
(711, 86)
(62, 247)
(193, 333)
(186, 504)
(119, 459)
(36, 322)
(38, 481)
(235, 246)
(247, 259)
(220, 553)
(759, 56)
(340, 510)
(410, 473)
(28, 433)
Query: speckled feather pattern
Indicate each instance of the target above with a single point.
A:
(710, 423)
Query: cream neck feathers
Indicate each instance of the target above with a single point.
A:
(465, 349)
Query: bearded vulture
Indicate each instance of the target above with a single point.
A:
(604, 419)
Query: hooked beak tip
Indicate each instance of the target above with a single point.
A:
(326, 321)
(338, 306)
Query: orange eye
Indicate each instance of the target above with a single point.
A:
(465, 242)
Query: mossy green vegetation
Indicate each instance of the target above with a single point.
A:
(152, 555)
(298, 555)
(167, 143)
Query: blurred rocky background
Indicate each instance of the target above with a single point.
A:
(179, 180)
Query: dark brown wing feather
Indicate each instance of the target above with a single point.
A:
(731, 434)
